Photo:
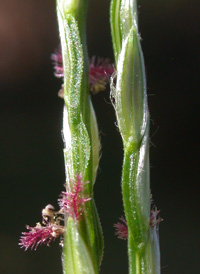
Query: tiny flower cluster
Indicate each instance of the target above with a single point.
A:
(100, 72)
(154, 217)
(122, 227)
(71, 205)
(39, 235)
(58, 63)
(50, 229)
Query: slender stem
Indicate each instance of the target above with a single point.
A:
(80, 131)
(130, 103)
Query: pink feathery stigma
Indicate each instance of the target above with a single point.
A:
(37, 235)
(72, 201)
(43, 234)
(154, 218)
(121, 229)
(58, 63)
(100, 72)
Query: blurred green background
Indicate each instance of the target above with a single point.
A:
(31, 158)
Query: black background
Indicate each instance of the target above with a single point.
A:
(31, 158)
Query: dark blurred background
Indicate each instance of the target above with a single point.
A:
(31, 157)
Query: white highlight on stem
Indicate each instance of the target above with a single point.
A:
(68, 144)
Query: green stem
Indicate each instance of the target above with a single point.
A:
(80, 130)
(130, 103)
(136, 196)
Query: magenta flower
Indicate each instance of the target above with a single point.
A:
(43, 234)
(37, 235)
(72, 201)
(121, 229)
(100, 72)
(71, 204)
(58, 63)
